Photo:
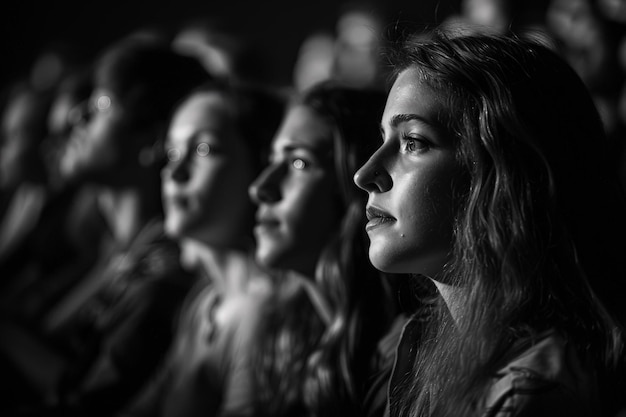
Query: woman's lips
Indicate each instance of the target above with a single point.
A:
(178, 201)
(377, 218)
(266, 223)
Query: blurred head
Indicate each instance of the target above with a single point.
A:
(65, 111)
(52, 62)
(23, 130)
(315, 60)
(586, 40)
(613, 9)
(216, 143)
(305, 192)
(73, 90)
(357, 46)
(223, 51)
(310, 220)
(494, 14)
(136, 84)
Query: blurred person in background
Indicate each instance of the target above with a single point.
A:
(73, 90)
(224, 52)
(350, 54)
(589, 38)
(318, 340)
(24, 185)
(357, 46)
(110, 331)
(496, 15)
(217, 143)
(61, 245)
(526, 19)
(315, 60)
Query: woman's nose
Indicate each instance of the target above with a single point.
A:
(176, 171)
(79, 114)
(373, 176)
(265, 188)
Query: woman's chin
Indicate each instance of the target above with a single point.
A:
(397, 263)
(384, 263)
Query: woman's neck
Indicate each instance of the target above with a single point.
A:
(124, 212)
(451, 296)
(228, 268)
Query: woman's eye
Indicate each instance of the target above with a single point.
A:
(203, 149)
(412, 145)
(103, 103)
(173, 154)
(298, 163)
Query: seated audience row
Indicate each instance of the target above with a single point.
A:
(452, 246)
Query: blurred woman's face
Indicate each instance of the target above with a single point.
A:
(409, 181)
(19, 141)
(205, 183)
(297, 194)
(101, 146)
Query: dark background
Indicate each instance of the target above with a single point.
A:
(277, 28)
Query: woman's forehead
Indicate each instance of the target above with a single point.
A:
(302, 127)
(410, 95)
(202, 114)
(205, 107)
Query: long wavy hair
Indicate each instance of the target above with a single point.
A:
(311, 366)
(539, 225)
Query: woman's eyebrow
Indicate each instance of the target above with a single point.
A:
(317, 150)
(206, 131)
(299, 146)
(317, 147)
(396, 119)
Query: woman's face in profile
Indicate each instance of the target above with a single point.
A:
(409, 181)
(205, 182)
(297, 194)
(101, 146)
(18, 145)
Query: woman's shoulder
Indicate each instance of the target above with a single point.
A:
(546, 378)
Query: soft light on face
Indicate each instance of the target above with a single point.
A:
(409, 180)
(205, 183)
(17, 148)
(296, 193)
(101, 146)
